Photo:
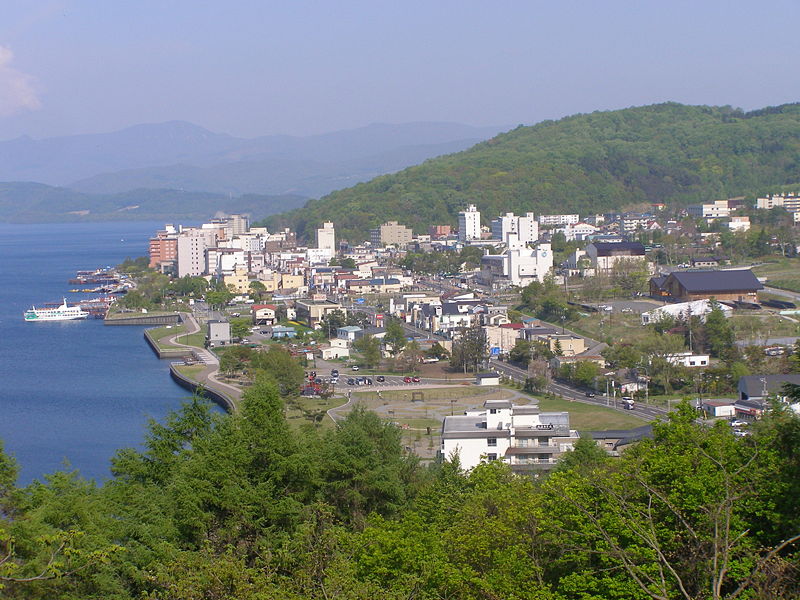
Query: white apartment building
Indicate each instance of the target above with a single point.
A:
(519, 264)
(469, 224)
(719, 209)
(551, 220)
(527, 227)
(192, 245)
(519, 435)
(326, 237)
(790, 202)
(578, 231)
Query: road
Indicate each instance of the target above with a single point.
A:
(569, 392)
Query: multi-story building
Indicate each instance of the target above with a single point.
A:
(554, 220)
(790, 202)
(439, 231)
(719, 209)
(391, 233)
(527, 227)
(739, 224)
(326, 237)
(469, 224)
(577, 232)
(192, 245)
(163, 248)
(311, 312)
(520, 435)
(519, 264)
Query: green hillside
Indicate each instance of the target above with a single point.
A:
(584, 163)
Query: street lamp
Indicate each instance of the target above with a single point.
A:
(563, 318)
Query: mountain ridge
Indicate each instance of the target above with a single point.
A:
(583, 163)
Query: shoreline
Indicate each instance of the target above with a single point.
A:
(205, 383)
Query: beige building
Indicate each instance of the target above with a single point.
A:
(238, 281)
(311, 312)
(391, 233)
(289, 281)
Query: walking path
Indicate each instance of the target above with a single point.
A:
(208, 377)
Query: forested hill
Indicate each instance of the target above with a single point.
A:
(584, 163)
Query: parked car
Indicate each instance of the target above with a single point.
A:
(351, 381)
(627, 309)
(334, 372)
(355, 367)
(368, 381)
(590, 394)
(741, 432)
(415, 379)
(406, 379)
(380, 378)
(738, 423)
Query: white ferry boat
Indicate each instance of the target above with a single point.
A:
(61, 313)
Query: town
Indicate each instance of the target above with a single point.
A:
(631, 310)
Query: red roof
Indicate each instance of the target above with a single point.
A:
(260, 306)
(513, 325)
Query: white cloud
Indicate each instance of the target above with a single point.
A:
(17, 92)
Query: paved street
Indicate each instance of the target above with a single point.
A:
(569, 392)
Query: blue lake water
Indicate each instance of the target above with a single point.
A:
(72, 392)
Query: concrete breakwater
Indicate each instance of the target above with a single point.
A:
(203, 383)
(198, 388)
(169, 319)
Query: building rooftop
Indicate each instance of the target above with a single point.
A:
(717, 281)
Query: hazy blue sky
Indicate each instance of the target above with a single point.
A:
(256, 67)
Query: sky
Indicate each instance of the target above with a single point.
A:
(258, 67)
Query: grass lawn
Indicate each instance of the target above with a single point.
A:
(191, 371)
(781, 273)
(588, 417)
(300, 411)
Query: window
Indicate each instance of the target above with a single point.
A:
(522, 443)
(492, 411)
(491, 442)
(491, 457)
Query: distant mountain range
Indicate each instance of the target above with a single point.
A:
(38, 203)
(580, 164)
(183, 156)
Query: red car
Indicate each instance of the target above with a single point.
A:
(415, 379)
(407, 379)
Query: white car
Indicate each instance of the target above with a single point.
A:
(355, 367)
(738, 423)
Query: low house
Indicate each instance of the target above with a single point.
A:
(604, 255)
(688, 359)
(735, 285)
(337, 349)
(756, 390)
(264, 314)
(281, 331)
(719, 408)
(487, 378)
(219, 332)
(348, 332)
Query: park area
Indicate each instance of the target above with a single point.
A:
(419, 412)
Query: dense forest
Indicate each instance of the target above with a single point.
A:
(238, 507)
(585, 163)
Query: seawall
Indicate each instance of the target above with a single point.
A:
(175, 352)
(170, 319)
(199, 389)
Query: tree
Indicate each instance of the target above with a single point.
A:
(395, 337)
(469, 350)
(282, 367)
(257, 290)
(332, 321)
(719, 332)
(240, 327)
(370, 349)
